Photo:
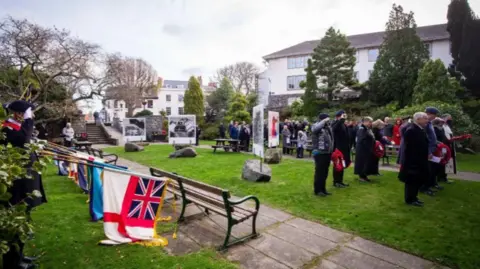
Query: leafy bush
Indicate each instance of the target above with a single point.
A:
(209, 132)
(143, 113)
(462, 123)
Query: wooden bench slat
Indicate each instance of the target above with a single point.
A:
(186, 181)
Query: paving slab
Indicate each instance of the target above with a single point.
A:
(274, 213)
(281, 250)
(326, 264)
(180, 245)
(238, 230)
(251, 258)
(389, 254)
(353, 259)
(318, 229)
(300, 238)
(203, 233)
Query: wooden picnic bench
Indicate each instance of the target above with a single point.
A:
(212, 199)
(220, 143)
(109, 158)
(390, 151)
(79, 145)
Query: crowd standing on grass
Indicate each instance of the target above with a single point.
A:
(424, 141)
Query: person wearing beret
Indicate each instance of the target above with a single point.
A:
(322, 148)
(18, 137)
(341, 138)
(431, 182)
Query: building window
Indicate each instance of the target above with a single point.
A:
(169, 98)
(168, 86)
(357, 55)
(372, 55)
(429, 48)
(150, 103)
(370, 73)
(180, 97)
(180, 111)
(293, 82)
(180, 86)
(297, 62)
(169, 111)
(355, 74)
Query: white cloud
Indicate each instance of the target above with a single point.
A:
(179, 37)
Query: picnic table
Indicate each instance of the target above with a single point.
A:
(83, 144)
(221, 143)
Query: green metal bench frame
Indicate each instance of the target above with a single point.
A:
(228, 204)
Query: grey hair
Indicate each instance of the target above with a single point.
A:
(419, 115)
(446, 116)
(367, 119)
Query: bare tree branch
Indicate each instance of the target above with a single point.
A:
(241, 75)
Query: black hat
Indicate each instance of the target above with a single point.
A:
(339, 113)
(322, 116)
(432, 110)
(18, 106)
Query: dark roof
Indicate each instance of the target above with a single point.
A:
(175, 83)
(362, 41)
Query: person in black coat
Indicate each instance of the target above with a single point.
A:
(364, 151)
(341, 138)
(22, 187)
(42, 131)
(221, 131)
(197, 133)
(414, 168)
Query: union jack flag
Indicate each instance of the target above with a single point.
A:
(146, 199)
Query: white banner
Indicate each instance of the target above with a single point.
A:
(273, 129)
(258, 127)
(182, 130)
(134, 129)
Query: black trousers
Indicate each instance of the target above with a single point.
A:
(300, 152)
(285, 150)
(337, 176)
(14, 256)
(411, 191)
(322, 163)
(434, 169)
(67, 143)
(442, 174)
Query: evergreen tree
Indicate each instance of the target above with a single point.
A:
(333, 61)
(237, 110)
(309, 98)
(193, 99)
(221, 97)
(464, 29)
(402, 55)
(434, 84)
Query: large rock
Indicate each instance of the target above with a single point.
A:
(130, 147)
(185, 152)
(273, 156)
(251, 171)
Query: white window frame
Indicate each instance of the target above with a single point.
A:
(294, 81)
(370, 60)
(181, 110)
(168, 97)
(168, 110)
(180, 97)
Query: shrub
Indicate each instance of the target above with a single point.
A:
(209, 132)
(143, 113)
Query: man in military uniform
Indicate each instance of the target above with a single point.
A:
(322, 142)
(18, 137)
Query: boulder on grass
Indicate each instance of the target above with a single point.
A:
(185, 152)
(251, 171)
(131, 147)
(273, 156)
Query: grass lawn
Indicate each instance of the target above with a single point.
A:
(65, 238)
(445, 230)
(468, 163)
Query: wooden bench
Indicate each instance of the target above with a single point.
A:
(390, 151)
(225, 147)
(212, 199)
(109, 158)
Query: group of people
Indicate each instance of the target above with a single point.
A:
(424, 142)
(242, 132)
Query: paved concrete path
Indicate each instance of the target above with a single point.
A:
(285, 242)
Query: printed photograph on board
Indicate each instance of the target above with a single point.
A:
(257, 124)
(181, 129)
(273, 129)
(134, 129)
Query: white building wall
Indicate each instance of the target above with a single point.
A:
(278, 71)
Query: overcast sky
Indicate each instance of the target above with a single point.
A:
(194, 37)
